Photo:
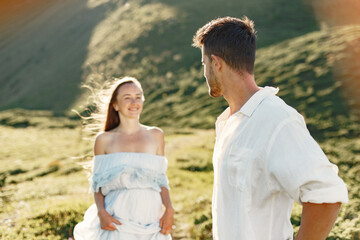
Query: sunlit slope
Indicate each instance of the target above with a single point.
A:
(303, 68)
(51, 49)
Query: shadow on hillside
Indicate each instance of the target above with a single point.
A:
(275, 20)
(41, 60)
(167, 55)
(166, 49)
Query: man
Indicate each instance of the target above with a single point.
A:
(264, 157)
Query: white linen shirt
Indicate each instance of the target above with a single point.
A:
(265, 158)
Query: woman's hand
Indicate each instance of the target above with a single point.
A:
(107, 221)
(166, 221)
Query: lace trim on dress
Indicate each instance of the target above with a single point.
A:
(140, 175)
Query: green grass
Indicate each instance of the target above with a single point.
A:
(48, 205)
(41, 192)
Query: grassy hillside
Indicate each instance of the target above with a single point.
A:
(51, 48)
(43, 189)
(39, 149)
(44, 61)
(303, 68)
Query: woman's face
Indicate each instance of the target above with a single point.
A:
(129, 101)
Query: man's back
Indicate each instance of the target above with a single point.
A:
(266, 162)
(264, 157)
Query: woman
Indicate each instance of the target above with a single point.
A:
(129, 175)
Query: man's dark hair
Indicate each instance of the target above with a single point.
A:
(232, 39)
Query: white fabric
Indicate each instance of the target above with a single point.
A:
(131, 184)
(264, 159)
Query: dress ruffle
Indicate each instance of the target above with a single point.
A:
(137, 177)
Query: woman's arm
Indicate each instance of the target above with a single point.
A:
(106, 220)
(167, 220)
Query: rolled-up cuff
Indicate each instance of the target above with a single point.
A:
(334, 194)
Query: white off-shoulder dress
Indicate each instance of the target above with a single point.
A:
(131, 183)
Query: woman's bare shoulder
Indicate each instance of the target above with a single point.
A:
(155, 131)
(101, 140)
(103, 136)
(157, 134)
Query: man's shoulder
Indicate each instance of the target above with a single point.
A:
(275, 110)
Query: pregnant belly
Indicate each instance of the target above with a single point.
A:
(141, 206)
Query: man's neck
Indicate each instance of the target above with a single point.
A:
(238, 89)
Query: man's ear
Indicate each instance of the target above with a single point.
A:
(217, 61)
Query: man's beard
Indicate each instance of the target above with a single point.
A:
(214, 85)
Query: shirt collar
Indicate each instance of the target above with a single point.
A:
(251, 104)
(224, 115)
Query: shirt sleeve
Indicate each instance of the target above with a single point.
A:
(298, 166)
